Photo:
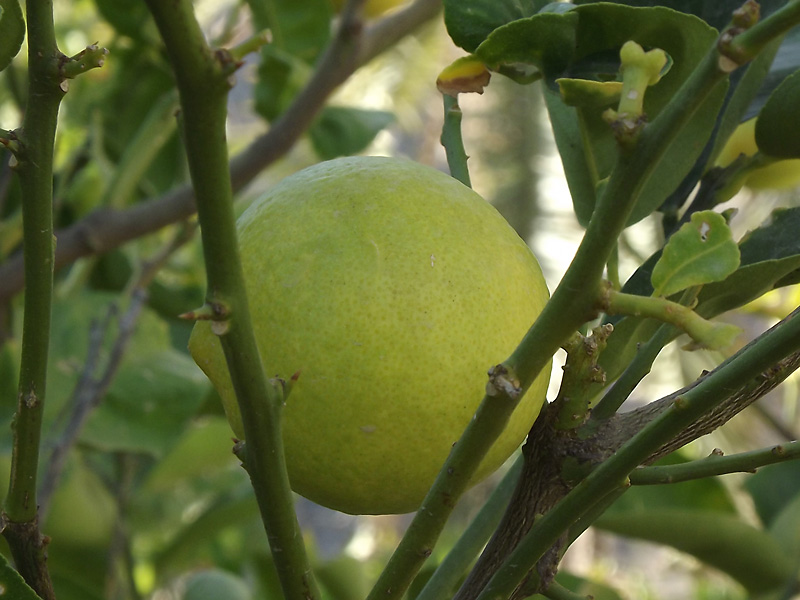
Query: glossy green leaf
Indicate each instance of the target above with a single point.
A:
(545, 42)
(749, 555)
(12, 584)
(717, 13)
(12, 31)
(584, 43)
(342, 131)
(781, 114)
(469, 23)
(702, 251)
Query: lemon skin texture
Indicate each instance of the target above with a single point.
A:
(390, 288)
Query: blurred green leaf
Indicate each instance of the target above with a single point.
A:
(12, 31)
(469, 23)
(772, 488)
(780, 114)
(342, 131)
(193, 539)
(280, 77)
(343, 578)
(785, 528)
(749, 555)
(202, 449)
(215, 584)
(150, 402)
(299, 27)
(702, 251)
(12, 584)
(128, 17)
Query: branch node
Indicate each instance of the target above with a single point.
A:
(502, 381)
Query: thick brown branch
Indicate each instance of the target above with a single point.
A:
(542, 484)
(106, 229)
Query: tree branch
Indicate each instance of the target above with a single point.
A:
(545, 481)
(106, 229)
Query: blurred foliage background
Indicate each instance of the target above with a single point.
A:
(146, 499)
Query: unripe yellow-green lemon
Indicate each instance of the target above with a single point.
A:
(390, 288)
(778, 175)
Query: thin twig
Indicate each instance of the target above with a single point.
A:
(91, 387)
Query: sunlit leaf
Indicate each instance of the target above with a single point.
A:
(702, 251)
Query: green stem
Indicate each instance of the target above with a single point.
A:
(738, 372)
(716, 464)
(712, 335)
(444, 580)
(745, 46)
(35, 169)
(574, 302)
(452, 140)
(203, 84)
(420, 537)
(633, 374)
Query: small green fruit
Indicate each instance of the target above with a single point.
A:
(391, 288)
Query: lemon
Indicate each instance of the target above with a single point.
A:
(778, 175)
(390, 288)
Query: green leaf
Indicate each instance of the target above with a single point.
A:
(12, 584)
(769, 254)
(128, 17)
(300, 28)
(785, 527)
(749, 555)
(280, 77)
(469, 23)
(545, 41)
(584, 43)
(201, 450)
(772, 488)
(12, 31)
(215, 584)
(702, 251)
(342, 131)
(780, 115)
(148, 405)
